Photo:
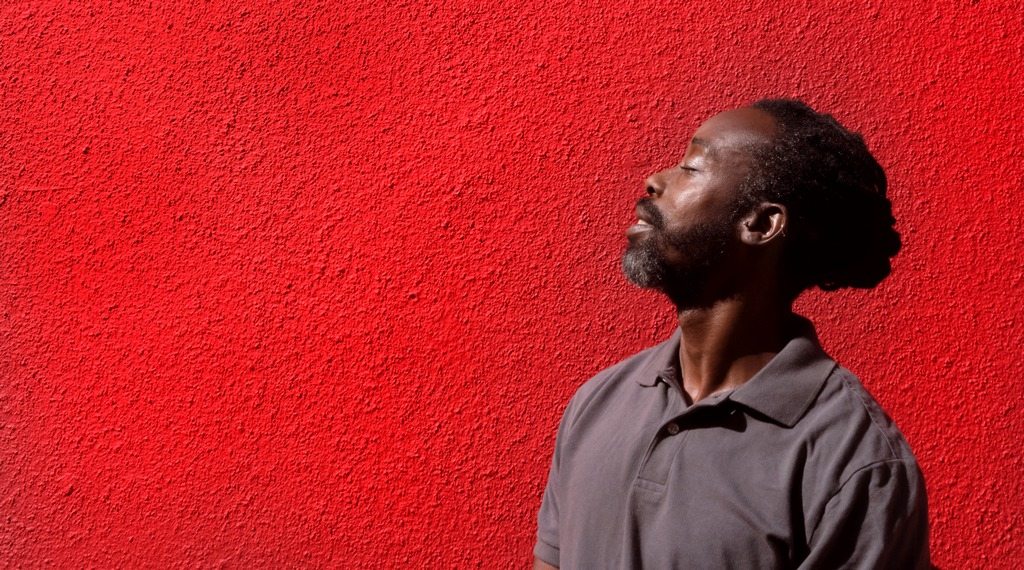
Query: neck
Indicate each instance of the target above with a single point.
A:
(724, 345)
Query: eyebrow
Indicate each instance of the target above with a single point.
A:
(708, 147)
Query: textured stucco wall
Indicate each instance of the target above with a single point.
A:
(310, 283)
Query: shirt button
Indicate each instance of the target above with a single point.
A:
(672, 428)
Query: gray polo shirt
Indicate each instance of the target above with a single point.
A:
(797, 468)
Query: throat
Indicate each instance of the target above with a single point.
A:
(715, 379)
(722, 349)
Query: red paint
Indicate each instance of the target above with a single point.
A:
(297, 284)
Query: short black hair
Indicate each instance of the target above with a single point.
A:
(841, 228)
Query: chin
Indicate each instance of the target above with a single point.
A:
(642, 268)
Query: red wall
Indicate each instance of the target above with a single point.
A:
(311, 283)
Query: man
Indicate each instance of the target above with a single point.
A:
(737, 442)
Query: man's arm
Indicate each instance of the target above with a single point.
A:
(547, 545)
(547, 521)
(877, 519)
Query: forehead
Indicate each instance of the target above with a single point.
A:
(735, 130)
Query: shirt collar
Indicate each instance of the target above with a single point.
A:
(662, 363)
(782, 390)
(787, 386)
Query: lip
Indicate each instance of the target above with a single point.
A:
(642, 226)
(638, 229)
(640, 216)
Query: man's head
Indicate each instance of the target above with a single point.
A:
(773, 191)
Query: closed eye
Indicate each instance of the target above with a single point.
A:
(687, 168)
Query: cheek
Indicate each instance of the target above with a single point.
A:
(693, 209)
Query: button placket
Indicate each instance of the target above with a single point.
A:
(670, 439)
(667, 442)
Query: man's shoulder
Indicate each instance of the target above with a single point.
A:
(849, 420)
(856, 456)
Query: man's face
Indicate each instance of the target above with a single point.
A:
(687, 228)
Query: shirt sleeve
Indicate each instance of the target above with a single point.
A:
(877, 519)
(547, 546)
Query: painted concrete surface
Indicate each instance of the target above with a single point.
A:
(308, 284)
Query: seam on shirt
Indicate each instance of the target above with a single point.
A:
(842, 486)
(845, 377)
(548, 544)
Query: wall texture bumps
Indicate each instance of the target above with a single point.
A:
(307, 283)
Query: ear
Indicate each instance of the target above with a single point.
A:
(764, 224)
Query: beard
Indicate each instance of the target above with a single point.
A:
(679, 263)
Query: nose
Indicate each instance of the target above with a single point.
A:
(655, 185)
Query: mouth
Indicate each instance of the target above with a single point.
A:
(648, 213)
(638, 229)
(643, 223)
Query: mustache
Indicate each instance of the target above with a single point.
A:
(651, 213)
